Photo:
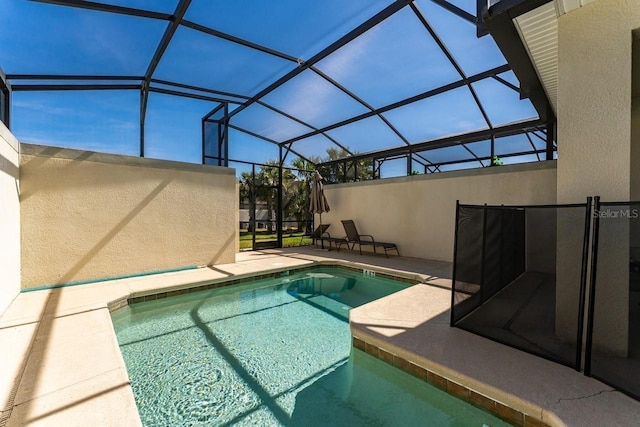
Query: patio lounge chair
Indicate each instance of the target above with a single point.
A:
(365, 239)
(321, 235)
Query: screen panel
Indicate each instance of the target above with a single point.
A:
(107, 122)
(466, 5)
(165, 6)
(315, 24)
(393, 167)
(312, 99)
(449, 113)
(39, 38)
(461, 166)
(268, 123)
(528, 158)
(250, 149)
(392, 61)
(319, 147)
(480, 148)
(366, 135)
(502, 104)
(513, 144)
(473, 54)
(221, 65)
(447, 154)
(173, 128)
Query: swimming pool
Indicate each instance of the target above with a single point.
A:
(273, 352)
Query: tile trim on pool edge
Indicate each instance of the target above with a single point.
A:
(481, 401)
(269, 274)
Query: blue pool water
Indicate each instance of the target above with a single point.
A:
(273, 352)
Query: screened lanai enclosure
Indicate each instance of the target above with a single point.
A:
(364, 89)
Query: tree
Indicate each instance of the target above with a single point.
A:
(358, 170)
(246, 197)
(265, 182)
(298, 193)
(295, 185)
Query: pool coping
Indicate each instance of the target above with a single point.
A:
(152, 295)
(469, 395)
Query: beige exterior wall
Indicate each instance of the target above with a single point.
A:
(594, 100)
(87, 215)
(594, 134)
(9, 218)
(237, 217)
(635, 142)
(635, 150)
(635, 121)
(418, 212)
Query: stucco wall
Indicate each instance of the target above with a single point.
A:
(594, 100)
(9, 218)
(635, 150)
(635, 120)
(418, 212)
(87, 215)
(635, 141)
(594, 134)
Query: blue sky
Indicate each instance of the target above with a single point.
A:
(392, 61)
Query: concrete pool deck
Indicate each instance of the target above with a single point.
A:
(64, 366)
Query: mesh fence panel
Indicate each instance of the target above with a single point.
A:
(513, 252)
(468, 261)
(613, 350)
(492, 256)
(509, 284)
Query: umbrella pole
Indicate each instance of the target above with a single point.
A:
(321, 239)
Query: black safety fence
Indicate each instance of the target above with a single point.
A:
(519, 276)
(613, 329)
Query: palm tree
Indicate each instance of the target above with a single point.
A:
(265, 182)
(246, 186)
(334, 173)
(295, 186)
(297, 193)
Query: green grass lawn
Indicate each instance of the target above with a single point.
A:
(289, 238)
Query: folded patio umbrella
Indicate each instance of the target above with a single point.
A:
(319, 202)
